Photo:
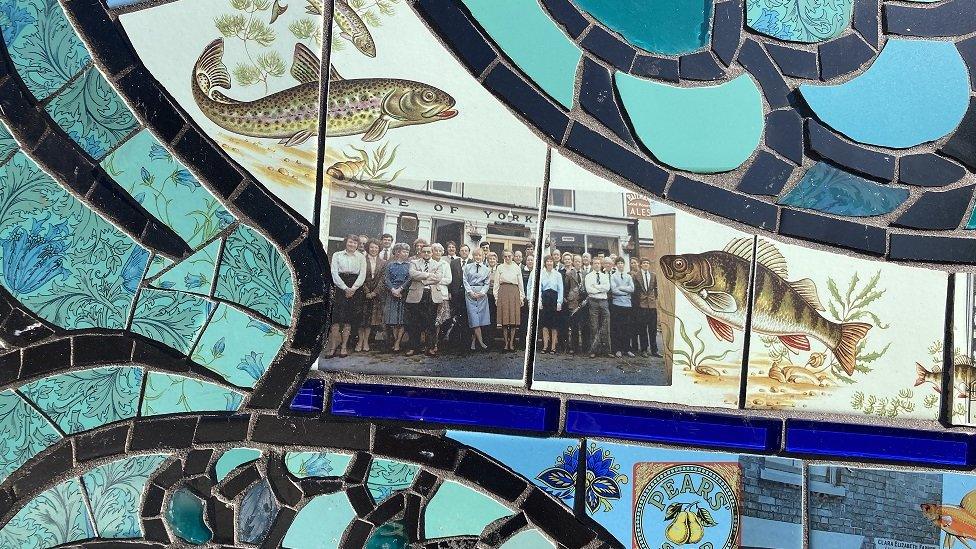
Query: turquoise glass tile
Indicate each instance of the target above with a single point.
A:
(706, 129)
(237, 347)
(320, 524)
(528, 539)
(257, 511)
(915, 91)
(670, 27)
(832, 190)
(392, 535)
(42, 45)
(80, 401)
(254, 275)
(173, 394)
(56, 516)
(61, 260)
(170, 317)
(387, 476)
(317, 464)
(167, 189)
(457, 510)
(92, 114)
(24, 432)
(232, 459)
(156, 265)
(115, 491)
(185, 516)
(530, 38)
(8, 145)
(194, 274)
(799, 20)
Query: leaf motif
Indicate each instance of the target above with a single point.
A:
(705, 517)
(672, 511)
(605, 487)
(557, 477)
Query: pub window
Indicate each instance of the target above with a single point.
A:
(345, 221)
(605, 245)
(447, 187)
(561, 198)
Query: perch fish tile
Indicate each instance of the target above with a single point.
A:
(115, 491)
(173, 394)
(457, 510)
(83, 400)
(236, 346)
(963, 352)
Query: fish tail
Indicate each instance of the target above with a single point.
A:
(851, 333)
(921, 373)
(209, 70)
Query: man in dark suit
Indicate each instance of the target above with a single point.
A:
(456, 292)
(645, 308)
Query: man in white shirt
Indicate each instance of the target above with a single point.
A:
(423, 297)
(386, 247)
(597, 284)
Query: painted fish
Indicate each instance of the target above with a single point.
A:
(717, 282)
(353, 28)
(962, 377)
(369, 106)
(276, 10)
(957, 522)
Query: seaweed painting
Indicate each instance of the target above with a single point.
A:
(371, 168)
(852, 305)
(690, 353)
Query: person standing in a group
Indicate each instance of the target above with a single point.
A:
(509, 296)
(372, 302)
(597, 284)
(645, 298)
(551, 300)
(386, 247)
(417, 246)
(621, 296)
(348, 268)
(528, 282)
(396, 280)
(456, 292)
(476, 277)
(491, 261)
(423, 299)
(444, 308)
(572, 280)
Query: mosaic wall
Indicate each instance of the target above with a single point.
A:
(514, 274)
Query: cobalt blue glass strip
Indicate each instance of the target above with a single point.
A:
(310, 398)
(757, 435)
(872, 442)
(446, 406)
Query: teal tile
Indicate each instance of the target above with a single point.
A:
(457, 510)
(157, 264)
(317, 464)
(8, 145)
(533, 41)
(92, 114)
(237, 347)
(170, 317)
(115, 491)
(799, 20)
(184, 513)
(528, 539)
(232, 459)
(194, 274)
(669, 27)
(42, 45)
(254, 274)
(391, 535)
(61, 260)
(320, 524)
(80, 401)
(167, 189)
(56, 516)
(24, 432)
(257, 511)
(387, 476)
(832, 190)
(173, 394)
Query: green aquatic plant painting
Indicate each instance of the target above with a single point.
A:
(851, 305)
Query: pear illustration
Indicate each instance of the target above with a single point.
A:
(688, 523)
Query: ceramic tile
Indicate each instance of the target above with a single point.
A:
(320, 523)
(755, 60)
(928, 170)
(258, 65)
(195, 274)
(237, 347)
(185, 517)
(696, 364)
(960, 145)
(42, 45)
(794, 62)
(83, 400)
(390, 535)
(317, 464)
(310, 398)
(799, 21)
(844, 55)
(167, 189)
(766, 175)
(938, 210)
(54, 517)
(8, 145)
(25, 431)
(963, 352)
(387, 476)
(832, 190)
(157, 264)
(232, 459)
(457, 510)
(254, 275)
(170, 394)
(850, 155)
(607, 46)
(170, 317)
(941, 20)
(528, 539)
(115, 491)
(784, 134)
(257, 511)
(658, 27)
(837, 334)
(92, 114)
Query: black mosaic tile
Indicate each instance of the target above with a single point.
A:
(411, 516)
(238, 481)
(741, 208)
(101, 443)
(700, 66)
(757, 62)
(215, 429)
(155, 530)
(617, 159)
(103, 35)
(967, 49)
(499, 532)
(45, 358)
(830, 146)
(308, 263)
(843, 55)
(204, 157)
(197, 461)
(152, 501)
(935, 249)
(20, 329)
(416, 447)
(767, 175)
(951, 18)
(490, 475)
(148, 98)
(9, 366)
(928, 170)
(453, 25)
(546, 513)
(285, 489)
(726, 30)
(145, 351)
(937, 210)
(390, 508)
(519, 95)
(837, 232)
(650, 66)
(220, 516)
(598, 98)
(865, 20)
(100, 349)
(106, 196)
(358, 469)
(311, 432)
(159, 433)
(200, 484)
(794, 62)
(360, 499)
(424, 483)
(566, 14)
(962, 144)
(608, 47)
(169, 475)
(317, 486)
(70, 165)
(264, 211)
(37, 473)
(26, 120)
(280, 527)
(308, 337)
(7, 501)
(460, 542)
(358, 533)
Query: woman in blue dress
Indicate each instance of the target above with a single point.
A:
(396, 279)
(475, 278)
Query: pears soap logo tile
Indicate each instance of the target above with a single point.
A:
(683, 505)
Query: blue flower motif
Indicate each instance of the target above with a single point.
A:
(147, 177)
(184, 177)
(158, 152)
(225, 217)
(14, 19)
(768, 23)
(218, 348)
(30, 259)
(286, 299)
(167, 284)
(140, 197)
(193, 281)
(252, 363)
(603, 479)
(134, 266)
(318, 465)
(259, 325)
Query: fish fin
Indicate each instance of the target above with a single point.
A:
(276, 10)
(305, 65)
(334, 74)
(721, 302)
(721, 330)
(741, 247)
(346, 35)
(808, 291)
(377, 130)
(851, 333)
(969, 502)
(921, 372)
(769, 256)
(210, 66)
(796, 341)
(297, 139)
(217, 96)
(314, 7)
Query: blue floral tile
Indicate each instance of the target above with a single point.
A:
(115, 491)
(828, 189)
(387, 476)
(254, 274)
(317, 464)
(170, 317)
(457, 510)
(83, 400)
(320, 523)
(167, 189)
(257, 511)
(8, 144)
(173, 394)
(56, 516)
(24, 432)
(157, 264)
(61, 260)
(237, 347)
(799, 21)
(195, 274)
(92, 114)
(232, 459)
(42, 44)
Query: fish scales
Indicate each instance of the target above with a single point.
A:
(778, 308)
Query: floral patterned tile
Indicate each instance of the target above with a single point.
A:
(172, 394)
(317, 464)
(115, 491)
(195, 274)
(92, 114)
(254, 275)
(237, 347)
(80, 401)
(170, 317)
(388, 476)
(8, 145)
(56, 516)
(257, 510)
(25, 433)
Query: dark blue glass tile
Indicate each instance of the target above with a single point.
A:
(759, 435)
(617, 159)
(700, 66)
(962, 144)
(952, 18)
(875, 442)
(830, 146)
(565, 13)
(662, 68)
(755, 60)
(937, 210)
(457, 30)
(522, 97)
(784, 134)
(608, 47)
(767, 175)
(967, 48)
(935, 249)
(597, 98)
(928, 170)
(446, 406)
(837, 232)
(723, 202)
(866, 20)
(794, 62)
(843, 55)
(310, 397)
(726, 30)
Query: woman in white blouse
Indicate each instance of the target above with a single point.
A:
(348, 275)
(444, 309)
(509, 296)
(551, 298)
